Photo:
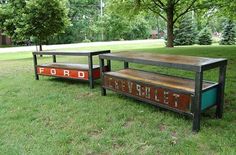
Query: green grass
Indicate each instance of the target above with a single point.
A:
(130, 46)
(6, 46)
(55, 116)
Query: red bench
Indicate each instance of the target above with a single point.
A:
(87, 72)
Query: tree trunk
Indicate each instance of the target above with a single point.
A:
(40, 47)
(158, 28)
(170, 26)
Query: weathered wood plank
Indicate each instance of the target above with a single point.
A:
(159, 79)
(175, 61)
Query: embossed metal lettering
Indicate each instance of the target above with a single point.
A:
(166, 97)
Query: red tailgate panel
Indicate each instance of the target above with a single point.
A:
(65, 73)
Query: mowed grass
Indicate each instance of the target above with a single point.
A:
(130, 46)
(57, 116)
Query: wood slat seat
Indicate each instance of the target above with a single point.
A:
(158, 79)
(69, 66)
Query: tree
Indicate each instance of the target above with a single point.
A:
(88, 23)
(34, 18)
(185, 34)
(225, 8)
(44, 18)
(140, 28)
(83, 15)
(11, 18)
(169, 10)
(204, 37)
(117, 27)
(228, 37)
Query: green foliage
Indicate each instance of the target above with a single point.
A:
(83, 15)
(128, 8)
(117, 27)
(34, 18)
(185, 34)
(88, 23)
(131, 24)
(157, 23)
(169, 10)
(205, 37)
(86, 41)
(140, 28)
(228, 36)
(213, 21)
(11, 18)
(166, 8)
(226, 8)
(45, 18)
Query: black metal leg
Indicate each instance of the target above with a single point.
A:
(103, 90)
(54, 58)
(197, 101)
(90, 62)
(35, 67)
(126, 65)
(109, 65)
(220, 104)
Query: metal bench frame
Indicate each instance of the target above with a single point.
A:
(199, 68)
(89, 54)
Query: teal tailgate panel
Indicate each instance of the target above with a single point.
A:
(209, 98)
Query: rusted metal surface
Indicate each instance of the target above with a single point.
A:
(151, 92)
(181, 95)
(88, 72)
(65, 73)
(69, 72)
(69, 66)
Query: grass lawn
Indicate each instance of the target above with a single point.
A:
(56, 116)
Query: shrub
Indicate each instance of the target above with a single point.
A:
(205, 37)
(228, 37)
(86, 41)
(185, 34)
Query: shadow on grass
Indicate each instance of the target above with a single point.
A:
(83, 83)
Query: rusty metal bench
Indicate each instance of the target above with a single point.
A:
(87, 72)
(179, 94)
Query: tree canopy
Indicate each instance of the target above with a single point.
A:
(169, 10)
(228, 37)
(126, 19)
(173, 10)
(185, 33)
(23, 19)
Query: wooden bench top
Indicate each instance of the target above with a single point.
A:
(175, 61)
(69, 66)
(158, 79)
(71, 53)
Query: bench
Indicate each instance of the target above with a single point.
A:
(87, 72)
(183, 95)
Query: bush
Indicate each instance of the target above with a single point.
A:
(86, 41)
(185, 34)
(205, 37)
(228, 37)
